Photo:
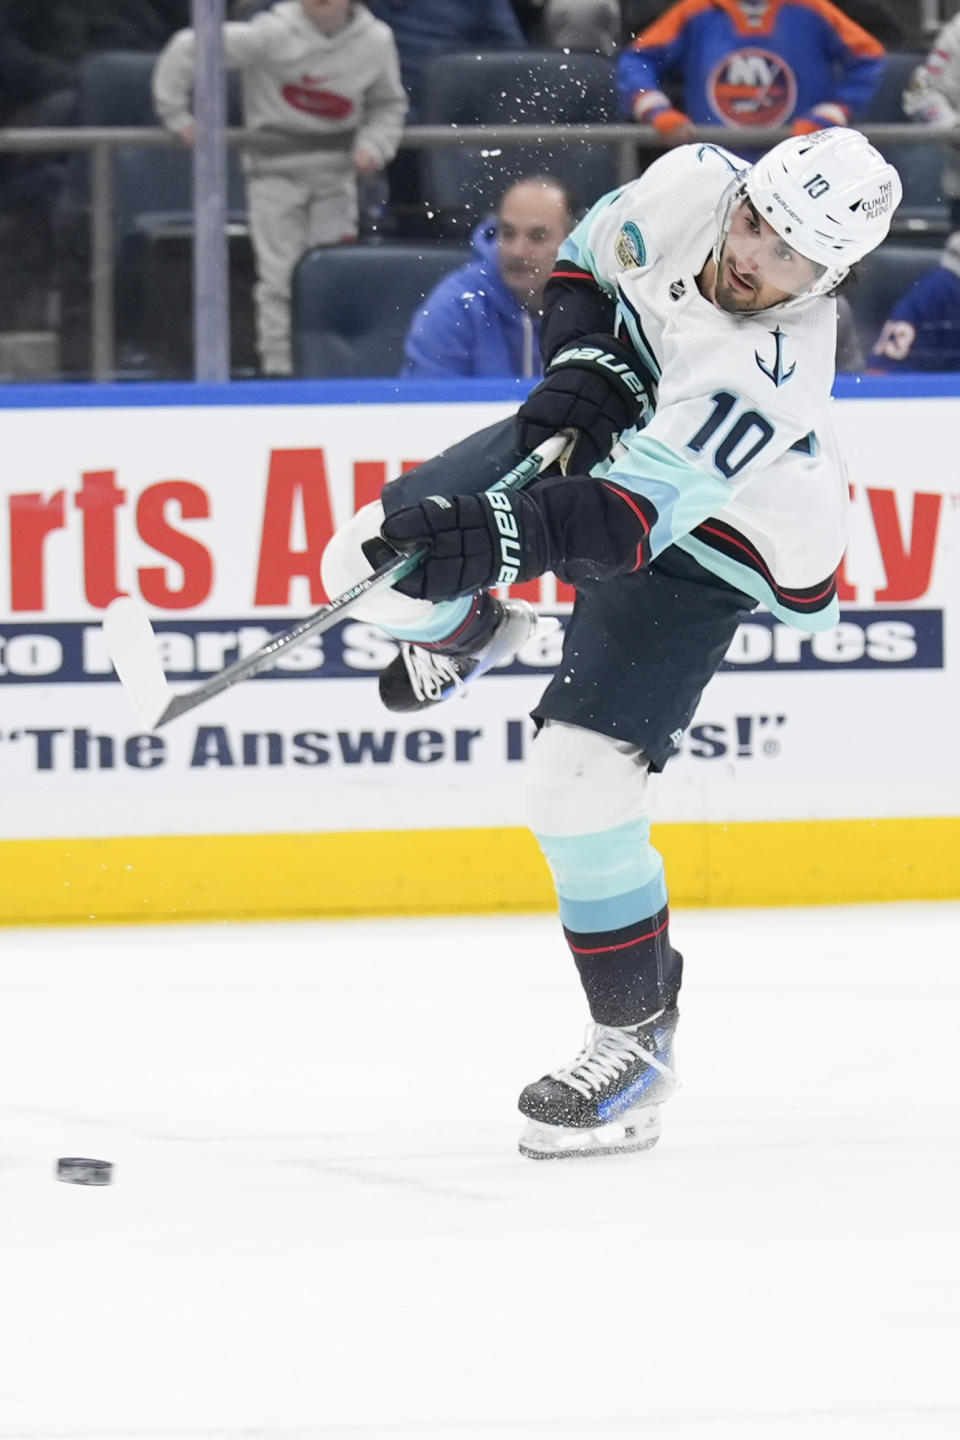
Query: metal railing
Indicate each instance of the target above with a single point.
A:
(99, 142)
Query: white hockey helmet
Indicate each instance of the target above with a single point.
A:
(830, 195)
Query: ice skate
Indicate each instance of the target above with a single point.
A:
(423, 675)
(607, 1100)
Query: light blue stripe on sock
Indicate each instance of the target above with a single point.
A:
(587, 917)
(607, 879)
(445, 617)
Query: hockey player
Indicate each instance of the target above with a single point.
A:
(689, 336)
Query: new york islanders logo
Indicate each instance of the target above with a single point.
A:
(752, 86)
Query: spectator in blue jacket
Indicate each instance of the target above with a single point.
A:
(922, 331)
(484, 318)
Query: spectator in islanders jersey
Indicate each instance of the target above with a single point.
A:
(797, 63)
(321, 82)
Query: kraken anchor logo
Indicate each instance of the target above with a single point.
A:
(776, 373)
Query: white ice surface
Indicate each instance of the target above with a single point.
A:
(319, 1226)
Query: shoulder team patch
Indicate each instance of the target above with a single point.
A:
(630, 249)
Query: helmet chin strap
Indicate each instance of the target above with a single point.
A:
(729, 200)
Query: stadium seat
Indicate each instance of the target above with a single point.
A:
(115, 89)
(881, 280)
(165, 302)
(528, 87)
(352, 304)
(160, 182)
(925, 210)
(886, 107)
(151, 186)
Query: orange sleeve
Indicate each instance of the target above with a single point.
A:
(665, 30)
(853, 35)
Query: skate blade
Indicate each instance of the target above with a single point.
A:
(634, 1131)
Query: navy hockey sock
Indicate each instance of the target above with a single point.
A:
(628, 973)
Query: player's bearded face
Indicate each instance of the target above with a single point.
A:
(757, 268)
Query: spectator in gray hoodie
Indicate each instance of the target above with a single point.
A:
(322, 95)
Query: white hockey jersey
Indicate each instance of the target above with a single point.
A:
(738, 453)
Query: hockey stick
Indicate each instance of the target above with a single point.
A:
(132, 644)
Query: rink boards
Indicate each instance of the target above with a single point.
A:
(817, 768)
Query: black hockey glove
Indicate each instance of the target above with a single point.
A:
(595, 387)
(580, 528)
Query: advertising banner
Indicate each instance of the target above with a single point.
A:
(216, 514)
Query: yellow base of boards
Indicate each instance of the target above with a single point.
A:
(264, 877)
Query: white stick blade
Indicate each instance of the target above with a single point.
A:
(132, 647)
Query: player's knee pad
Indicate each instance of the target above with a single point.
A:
(586, 804)
(579, 782)
(343, 563)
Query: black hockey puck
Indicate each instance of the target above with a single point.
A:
(78, 1171)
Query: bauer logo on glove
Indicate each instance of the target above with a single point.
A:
(506, 523)
(603, 360)
(580, 528)
(597, 388)
(472, 541)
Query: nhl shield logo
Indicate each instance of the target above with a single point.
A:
(752, 86)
